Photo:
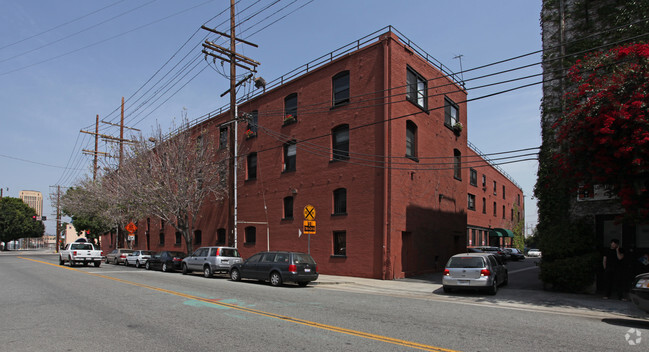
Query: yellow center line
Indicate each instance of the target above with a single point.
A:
(265, 314)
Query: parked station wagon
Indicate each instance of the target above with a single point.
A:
(277, 268)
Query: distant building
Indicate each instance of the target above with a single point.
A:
(34, 199)
(71, 234)
(495, 203)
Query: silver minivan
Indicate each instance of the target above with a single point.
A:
(475, 271)
(211, 260)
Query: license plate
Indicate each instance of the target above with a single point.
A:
(307, 270)
(463, 282)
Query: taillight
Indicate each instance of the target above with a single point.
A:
(292, 268)
(74, 253)
(123, 256)
(447, 272)
(485, 272)
(178, 259)
(102, 253)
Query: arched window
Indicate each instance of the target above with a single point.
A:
(411, 139)
(340, 142)
(340, 84)
(340, 201)
(290, 108)
(457, 164)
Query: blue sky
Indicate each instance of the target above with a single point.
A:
(64, 62)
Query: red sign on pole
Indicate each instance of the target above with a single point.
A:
(131, 228)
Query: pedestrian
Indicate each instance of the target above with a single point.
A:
(614, 272)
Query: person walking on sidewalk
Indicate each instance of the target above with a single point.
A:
(614, 270)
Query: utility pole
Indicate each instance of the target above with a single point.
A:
(121, 140)
(58, 217)
(231, 56)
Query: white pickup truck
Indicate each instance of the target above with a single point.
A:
(80, 252)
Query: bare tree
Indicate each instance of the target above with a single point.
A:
(172, 176)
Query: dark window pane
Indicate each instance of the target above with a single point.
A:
(417, 88)
(290, 106)
(341, 88)
(252, 166)
(457, 164)
(340, 201)
(340, 243)
(411, 139)
(288, 208)
(340, 142)
(251, 234)
(451, 113)
(290, 150)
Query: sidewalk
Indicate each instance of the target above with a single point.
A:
(430, 287)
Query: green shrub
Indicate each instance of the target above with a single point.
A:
(574, 274)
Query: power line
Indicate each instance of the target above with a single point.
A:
(61, 25)
(31, 162)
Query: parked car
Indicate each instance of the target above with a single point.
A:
(277, 268)
(137, 258)
(117, 256)
(211, 260)
(514, 254)
(165, 261)
(640, 292)
(534, 253)
(494, 250)
(483, 271)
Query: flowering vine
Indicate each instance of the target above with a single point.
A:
(604, 132)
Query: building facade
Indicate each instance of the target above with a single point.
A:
(369, 145)
(34, 199)
(495, 203)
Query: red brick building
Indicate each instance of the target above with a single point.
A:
(371, 137)
(495, 203)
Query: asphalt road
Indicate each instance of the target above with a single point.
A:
(47, 307)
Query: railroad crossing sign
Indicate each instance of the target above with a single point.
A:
(309, 213)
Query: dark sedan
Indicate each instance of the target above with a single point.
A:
(515, 254)
(165, 261)
(277, 268)
(640, 292)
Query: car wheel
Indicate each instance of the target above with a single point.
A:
(165, 268)
(85, 263)
(494, 287)
(137, 263)
(114, 261)
(125, 262)
(303, 283)
(61, 261)
(275, 279)
(207, 271)
(234, 275)
(185, 270)
(71, 262)
(147, 266)
(97, 264)
(506, 280)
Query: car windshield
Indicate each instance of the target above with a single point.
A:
(466, 262)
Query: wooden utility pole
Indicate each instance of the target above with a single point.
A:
(231, 56)
(120, 140)
(58, 218)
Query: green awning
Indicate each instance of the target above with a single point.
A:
(504, 232)
(493, 233)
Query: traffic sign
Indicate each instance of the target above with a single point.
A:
(309, 227)
(309, 212)
(131, 228)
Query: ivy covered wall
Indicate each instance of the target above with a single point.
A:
(566, 229)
